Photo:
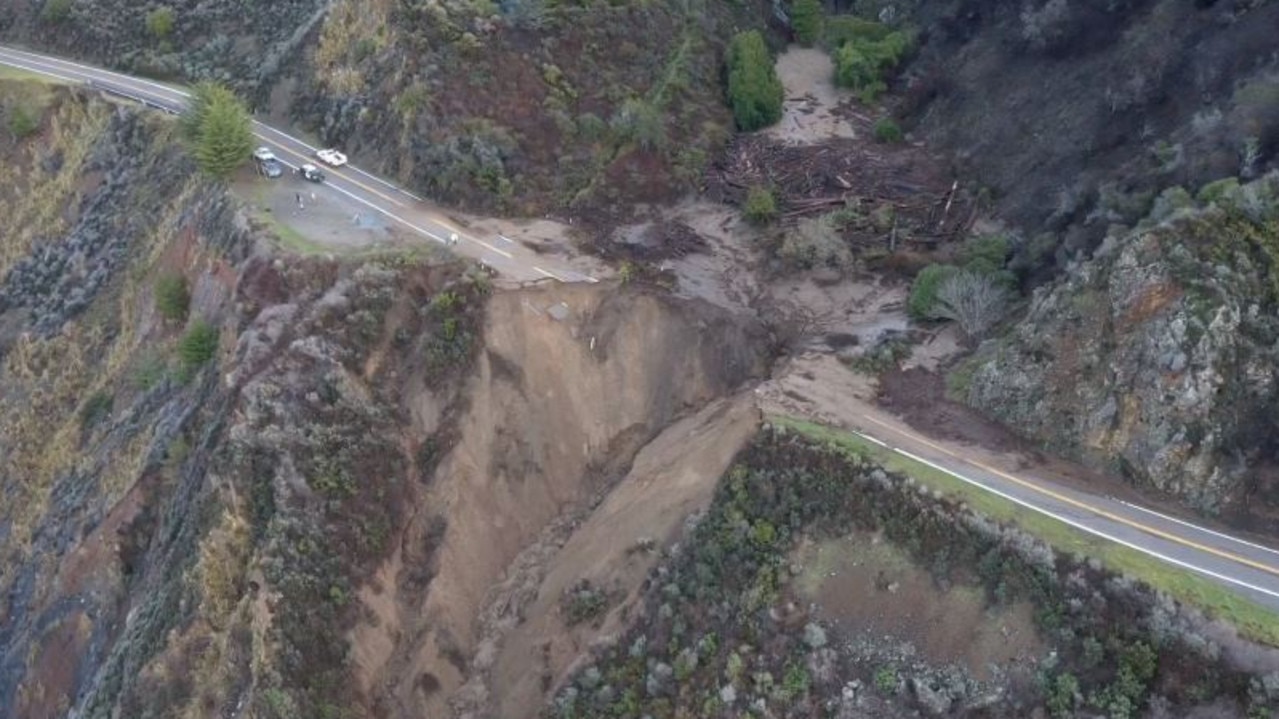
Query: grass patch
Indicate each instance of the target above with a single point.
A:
(1253, 621)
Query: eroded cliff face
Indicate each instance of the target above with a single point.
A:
(1158, 357)
(304, 512)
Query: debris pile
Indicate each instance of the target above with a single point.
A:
(883, 195)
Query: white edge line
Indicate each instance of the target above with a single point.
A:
(1205, 530)
(1086, 528)
(286, 163)
(37, 71)
(365, 202)
(869, 438)
(88, 68)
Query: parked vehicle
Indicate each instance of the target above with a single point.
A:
(271, 168)
(311, 173)
(332, 157)
(268, 165)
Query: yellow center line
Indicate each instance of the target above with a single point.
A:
(357, 183)
(1079, 504)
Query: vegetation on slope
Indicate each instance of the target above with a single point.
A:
(712, 638)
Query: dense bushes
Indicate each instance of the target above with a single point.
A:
(22, 122)
(887, 130)
(864, 53)
(197, 346)
(760, 207)
(712, 636)
(806, 20)
(172, 297)
(981, 269)
(754, 90)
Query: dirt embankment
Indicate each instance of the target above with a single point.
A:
(571, 384)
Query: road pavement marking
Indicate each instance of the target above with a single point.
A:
(17, 63)
(125, 85)
(95, 70)
(1205, 530)
(1083, 505)
(357, 183)
(312, 148)
(1085, 528)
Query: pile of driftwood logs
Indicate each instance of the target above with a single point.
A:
(896, 194)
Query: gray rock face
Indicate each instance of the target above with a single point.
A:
(1157, 360)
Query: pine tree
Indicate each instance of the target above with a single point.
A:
(754, 91)
(806, 20)
(218, 127)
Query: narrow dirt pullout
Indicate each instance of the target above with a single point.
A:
(674, 476)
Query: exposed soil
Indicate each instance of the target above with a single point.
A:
(572, 383)
(809, 114)
(673, 476)
(919, 397)
(866, 587)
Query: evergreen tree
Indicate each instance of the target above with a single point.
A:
(219, 129)
(754, 90)
(806, 19)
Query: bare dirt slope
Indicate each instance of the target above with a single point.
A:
(673, 477)
(571, 383)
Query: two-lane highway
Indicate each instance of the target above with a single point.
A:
(401, 207)
(1246, 566)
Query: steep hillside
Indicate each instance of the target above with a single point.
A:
(1156, 358)
(234, 479)
(819, 585)
(243, 44)
(1077, 113)
(527, 106)
(523, 106)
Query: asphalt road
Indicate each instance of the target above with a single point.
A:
(1246, 566)
(399, 206)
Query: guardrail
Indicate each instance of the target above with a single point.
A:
(111, 90)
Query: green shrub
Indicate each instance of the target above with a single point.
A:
(56, 11)
(806, 19)
(22, 122)
(862, 63)
(754, 91)
(198, 345)
(172, 298)
(886, 680)
(887, 130)
(760, 207)
(985, 254)
(843, 29)
(1061, 696)
(95, 410)
(1216, 190)
(160, 22)
(923, 291)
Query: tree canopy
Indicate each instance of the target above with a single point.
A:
(754, 90)
(806, 19)
(217, 126)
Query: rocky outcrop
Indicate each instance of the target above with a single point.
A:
(1159, 356)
